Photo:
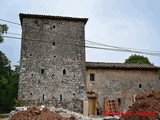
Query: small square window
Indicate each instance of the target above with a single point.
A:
(92, 77)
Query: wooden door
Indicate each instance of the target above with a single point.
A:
(92, 106)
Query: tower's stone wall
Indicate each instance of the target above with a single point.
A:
(53, 61)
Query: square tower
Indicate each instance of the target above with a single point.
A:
(52, 67)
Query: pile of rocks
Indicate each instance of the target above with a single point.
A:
(36, 113)
(50, 113)
(146, 107)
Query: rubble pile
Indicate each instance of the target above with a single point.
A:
(146, 107)
(35, 113)
(50, 113)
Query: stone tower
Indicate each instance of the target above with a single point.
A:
(53, 61)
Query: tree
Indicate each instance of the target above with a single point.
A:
(137, 59)
(8, 79)
(3, 29)
(8, 84)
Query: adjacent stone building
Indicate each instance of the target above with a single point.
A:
(54, 70)
(121, 82)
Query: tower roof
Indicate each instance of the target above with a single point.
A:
(22, 15)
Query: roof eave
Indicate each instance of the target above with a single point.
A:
(22, 15)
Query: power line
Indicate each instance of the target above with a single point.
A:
(11, 37)
(94, 47)
(96, 43)
(13, 33)
(100, 43)
(9, 21)
(127, 50)
(120, 50)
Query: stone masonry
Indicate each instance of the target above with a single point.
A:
(121, 81)
(53, 61)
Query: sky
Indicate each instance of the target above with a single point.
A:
(123, 23)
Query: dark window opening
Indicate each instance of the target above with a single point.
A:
(54, 56)
(98, 112)
(92, 77)
(61, 97)
(73, 93)
(53, 43)
(140, 85)
(43, 97)
(64, 72)
(31, 74)
(53, 75)
(32, 43)
(42, 71)
(54, 26)
(119, 101)
(30, 93)
(30, 54)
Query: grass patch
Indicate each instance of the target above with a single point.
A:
(3, 115)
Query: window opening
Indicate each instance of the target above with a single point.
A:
(92, 77)
(64, 72)
(42, 71)
(61, 97)
(53, 43)
(43, 97)
(119, 101)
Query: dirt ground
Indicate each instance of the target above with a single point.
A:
(34, 113)
(146, 107)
